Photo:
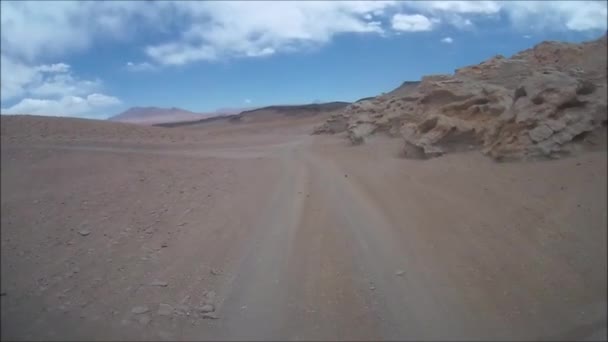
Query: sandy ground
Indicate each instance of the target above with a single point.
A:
(114, 232)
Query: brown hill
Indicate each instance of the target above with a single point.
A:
(155, 115)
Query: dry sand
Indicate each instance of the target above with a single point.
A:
(113, 231)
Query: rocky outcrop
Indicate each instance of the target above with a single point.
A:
(541, 102)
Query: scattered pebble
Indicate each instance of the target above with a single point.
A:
(159, 283)
(215, 272)
(400, 273)
(182, 224)
(164, 245)
(2, 294)
(372, 288)
(209, 297)
(140, 310)
(207, 308)
(210, 315)
(182, 309)
(144, 320)
(165, 309)
(84, 232)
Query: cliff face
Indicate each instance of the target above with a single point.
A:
(542, 102)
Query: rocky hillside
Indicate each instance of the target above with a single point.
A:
(542, 102)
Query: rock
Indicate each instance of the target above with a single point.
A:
(140, 310)
(400, 273)
(215, 272)
(210, 315)
(159, 283)
(165, 309)
(144, 319)
(84, 232)
(372, 288)
(540, 133)
(182, 309)
(541, 102)
(209, 297)
(207, 308)
(164, 245)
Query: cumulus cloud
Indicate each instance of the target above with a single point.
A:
(65, 106)
(58, 67)
(536, 15)
(143, 66)
(220, 29)
(19, 79)
(253, 29)
(447, 40)
(562, 15)
(411, 23)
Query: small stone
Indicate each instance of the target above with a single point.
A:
(210, 315)
(144, 320)
(84, 232)
(372, 288)
(140, 310)
(540, 133)
(399, 273)
(159, 283)
(164, 309)
(207, 308)
(215, 272)
(209, 297)
(182, 309)
(164, 245)
(182, 224)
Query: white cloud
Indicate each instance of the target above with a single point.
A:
(236, 29)
(247, 101)
(65, 106)
(19, 79)
(447, 40)
(527, 36)
(537, 15)
(558, 15)
(411, 23)
(59, 67)
(468, 7)
(143, 66)
(33, 31)
(15, 77)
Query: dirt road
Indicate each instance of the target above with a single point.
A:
(299, 237)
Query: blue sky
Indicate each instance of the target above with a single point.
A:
(95, 59)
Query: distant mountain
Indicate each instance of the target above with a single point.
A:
(160, 116)
(299, 110)
(156, 115)
(264, 113)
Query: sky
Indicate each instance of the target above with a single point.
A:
(96, 59)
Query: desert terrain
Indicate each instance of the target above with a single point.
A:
(114, 231)
(470, 206)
